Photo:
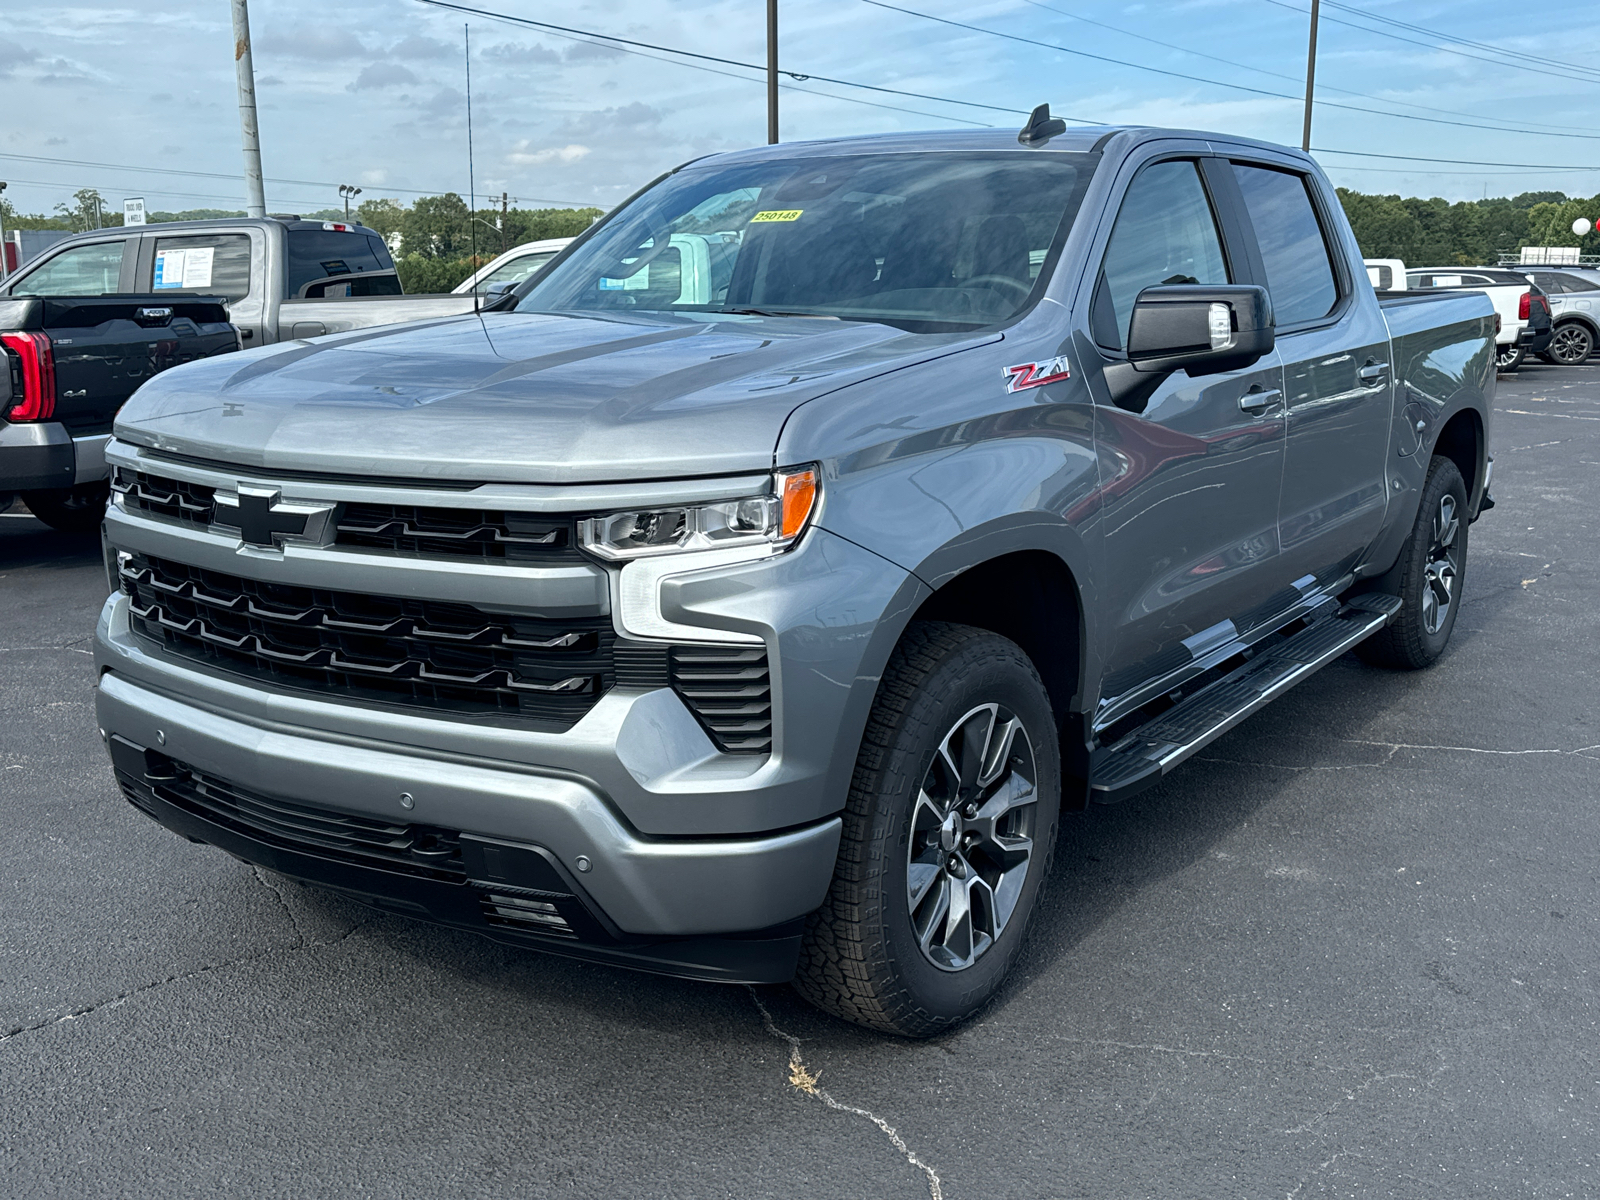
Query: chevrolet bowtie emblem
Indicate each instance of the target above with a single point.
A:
(263, 518)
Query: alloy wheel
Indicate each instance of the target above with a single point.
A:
(1571, 345)
(971, 841)
(1439, 575)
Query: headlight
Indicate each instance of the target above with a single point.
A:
(775, 519)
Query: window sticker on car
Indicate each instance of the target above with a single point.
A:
(777, 214)
(639, 281)
(335, 266)
(1037, 374)
(184, 268)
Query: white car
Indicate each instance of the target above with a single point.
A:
(515, 265)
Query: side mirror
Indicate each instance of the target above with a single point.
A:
(1200, 329)
(499, 287)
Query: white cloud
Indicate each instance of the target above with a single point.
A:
(524, 157)
(322, 44)
(382, 74)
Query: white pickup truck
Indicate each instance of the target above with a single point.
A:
(1522, 307)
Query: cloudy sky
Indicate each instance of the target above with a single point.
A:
(371, 92)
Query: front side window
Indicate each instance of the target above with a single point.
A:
(925, 242)
(93, 270)
(1165, 234)
(210, 264)
(1300, 275)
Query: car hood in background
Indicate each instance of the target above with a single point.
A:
(520, 397)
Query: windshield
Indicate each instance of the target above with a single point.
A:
(517, 269)
(927, 242)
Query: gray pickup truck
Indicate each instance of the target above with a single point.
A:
(282, 277)
(766, 634)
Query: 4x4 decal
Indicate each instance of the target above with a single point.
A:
(1036, 374)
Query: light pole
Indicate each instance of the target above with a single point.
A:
(3, 271)
(772, 72)
(255, 200)
(347, 190)
(1311, 77)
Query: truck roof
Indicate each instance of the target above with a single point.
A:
(1074, 141)
(288, 222)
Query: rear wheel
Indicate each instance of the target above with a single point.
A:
(1508, 358)
(1433, 567)
(1571, 344)
(948, 835)
(71, 510)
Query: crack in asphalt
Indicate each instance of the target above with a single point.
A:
(211, 968)
(294, 922)
(1349, 1097)
(1393, 749)
(803, 1079)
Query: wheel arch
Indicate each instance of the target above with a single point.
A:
(1461, 440)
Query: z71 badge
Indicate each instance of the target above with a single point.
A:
(1036, 374)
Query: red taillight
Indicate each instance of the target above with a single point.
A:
(1524, 305)
(1543, 303)
(38, 401)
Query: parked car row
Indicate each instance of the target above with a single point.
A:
(1551, 313)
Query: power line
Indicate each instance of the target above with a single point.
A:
(1542, 61)
(1460, 162)
(1239, 87)
(732, 62)
(1295, 79)
(75, 162)
(1495, 62)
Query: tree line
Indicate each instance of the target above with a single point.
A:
(1468, 232)
(431, 239)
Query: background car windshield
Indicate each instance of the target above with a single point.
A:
(926, 242)
(517, 269)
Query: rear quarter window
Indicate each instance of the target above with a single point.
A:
(325, 254)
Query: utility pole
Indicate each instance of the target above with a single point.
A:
(772, 72)
(1311, 77)
(504, 216)
(3, 271)
(255, 199)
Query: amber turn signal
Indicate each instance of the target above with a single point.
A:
(799, 492)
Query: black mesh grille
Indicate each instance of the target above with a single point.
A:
(174, 499)
(730, 690)
(419, 652)
(423, 850)
(456, 533)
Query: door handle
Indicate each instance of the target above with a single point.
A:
(1258, 401)
(1373, 374)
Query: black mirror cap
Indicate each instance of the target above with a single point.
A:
(1201, 329)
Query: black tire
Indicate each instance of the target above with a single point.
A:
(1508, 358)
(1571, 344)
(71, 510)
(1408, 642)
(862, 958)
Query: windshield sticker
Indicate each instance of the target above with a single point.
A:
(639, 281)
(777, 214)
(187, 269)
(1036, 374)
(335, 266)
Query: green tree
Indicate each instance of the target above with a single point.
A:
(384, 215)
(88, 211)
(436, 227)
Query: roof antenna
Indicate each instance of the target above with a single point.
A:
(472, 186)
(1041, 127)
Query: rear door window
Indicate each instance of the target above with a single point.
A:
(205, 264)
(1165, 233)
(1294, 250)
(321, 256)
(92, 270)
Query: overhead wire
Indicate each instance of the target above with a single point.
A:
(1240, 87)
(1541, 60)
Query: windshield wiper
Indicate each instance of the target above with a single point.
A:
(774, 312)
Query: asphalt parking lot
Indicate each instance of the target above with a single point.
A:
(1349, 951)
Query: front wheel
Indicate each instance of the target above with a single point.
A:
(1433, 567)
(71, 510)
(1508, 358)
(948, 834)
(1571, 344)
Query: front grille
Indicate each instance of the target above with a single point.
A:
(422, 850)
(411, 531)
(730, 689)
(426, 653)
(456, 533)
(174, 499)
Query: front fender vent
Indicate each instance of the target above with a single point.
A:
(729, 688)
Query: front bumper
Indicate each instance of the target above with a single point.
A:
(658, 904)
(43, 455)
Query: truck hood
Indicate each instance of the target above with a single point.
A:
(521, 397)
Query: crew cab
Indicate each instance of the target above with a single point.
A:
(283, 278)
(765, 628)
(71, 362)
(1526, 326)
